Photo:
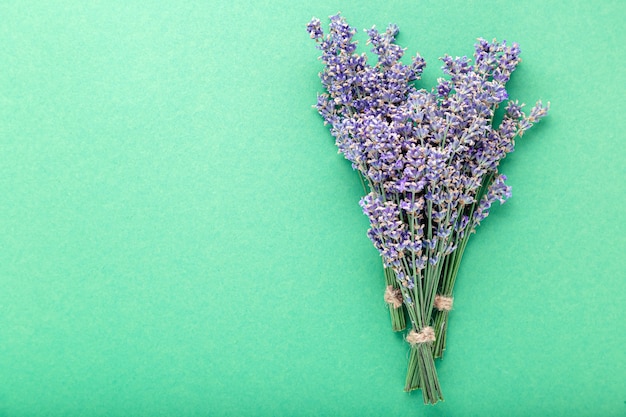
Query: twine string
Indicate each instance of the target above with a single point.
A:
(443, 303)
(427, 334)
(393, 296)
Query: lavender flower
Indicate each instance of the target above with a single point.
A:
(387, 232)
(429, 158)
(538, 112)
(498, 191)
(314, 27)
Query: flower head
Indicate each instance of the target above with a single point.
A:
(430, 158)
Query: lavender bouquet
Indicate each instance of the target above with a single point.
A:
(428, 161)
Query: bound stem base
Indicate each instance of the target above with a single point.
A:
(422, 374)
(441, 331)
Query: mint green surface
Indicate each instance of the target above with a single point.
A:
(178, 236)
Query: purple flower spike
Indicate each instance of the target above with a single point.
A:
(314, 27)
(498, 191)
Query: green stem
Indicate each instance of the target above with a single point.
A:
(412, 374)
(422, 374)
(440, 326)
(398, 321)
(365, 190)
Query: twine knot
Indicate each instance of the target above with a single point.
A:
(393, 296)
(427, 334)
(443, 303)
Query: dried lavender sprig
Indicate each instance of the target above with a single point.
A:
(372, 139)
(393, 295)
(353, 87)
(493, 188)
(411, 243)
(401, 248)
(397, 310)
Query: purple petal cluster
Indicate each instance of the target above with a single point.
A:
(497, 191)
(388, 232)
(430, 158)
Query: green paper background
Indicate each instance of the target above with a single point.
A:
(178, 235)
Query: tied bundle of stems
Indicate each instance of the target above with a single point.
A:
(428, 161)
